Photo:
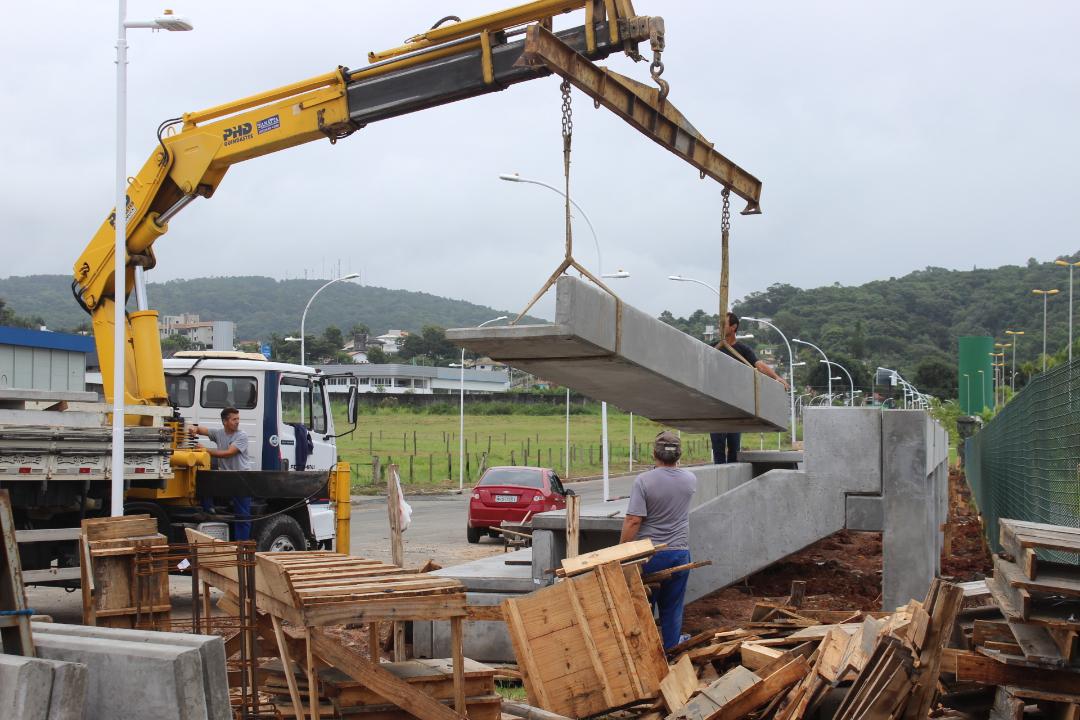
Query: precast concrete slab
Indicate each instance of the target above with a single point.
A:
(484, 641)
(211, 652)
(133, 680)
(502, 573)
(611, 351)
(25, 686)
(67, 698)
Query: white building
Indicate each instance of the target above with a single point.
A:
(398, 379)
(203, 334)
(391, 340)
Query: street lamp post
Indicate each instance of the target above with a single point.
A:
(303, 317)
(171, 22)
(1070, 266)
(1045, 295)
(829, 374)
(1016, 335)
(791, 369)
(461, 411)
(621, 274)
(851, 384)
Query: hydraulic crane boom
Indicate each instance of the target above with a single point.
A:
(443, 65)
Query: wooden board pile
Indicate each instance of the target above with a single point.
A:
(1031, 655)
(343, 696)
(787, 659)
(123, 584)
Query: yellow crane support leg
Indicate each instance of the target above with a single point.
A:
(341, 494)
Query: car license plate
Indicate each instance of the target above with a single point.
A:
(506, 498)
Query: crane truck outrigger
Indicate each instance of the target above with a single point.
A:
(442, 65)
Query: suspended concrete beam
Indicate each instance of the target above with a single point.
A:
(611, 351)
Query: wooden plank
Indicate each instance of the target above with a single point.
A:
(386, 684)
(979, 668)
(1023, 556)
(943, 601)
(590, 644)
(458, 657)
(286, 660)
(613, 589)
(15, 638)
(532, 678)
(679, 684)
(1050, 614)
(484, 613)
(1052, 579)
(573, 525)
(726, 688)
(119, 527)
(761, 693)
(754, 657)
(312, 676)
(1036, 644)
(616, 553)
(393, 509)
(47, 535)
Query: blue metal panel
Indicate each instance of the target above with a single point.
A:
(47, 340)
(271, 455)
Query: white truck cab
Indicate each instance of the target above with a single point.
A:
(285, 412)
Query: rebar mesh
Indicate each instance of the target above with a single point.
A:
(1025, 463)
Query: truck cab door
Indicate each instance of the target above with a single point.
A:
(303, 401)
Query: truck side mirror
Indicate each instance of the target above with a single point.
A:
(352, 408)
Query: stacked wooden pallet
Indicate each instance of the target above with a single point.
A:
(124, 584)
(343, 696)
(588, 644)
(1032, 654)
(15, 635)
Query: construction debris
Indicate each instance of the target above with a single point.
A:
(124, 582)
(1030, 654)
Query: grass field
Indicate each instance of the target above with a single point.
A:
(425, 447)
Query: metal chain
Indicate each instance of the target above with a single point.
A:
(725, 214)
(567, 113)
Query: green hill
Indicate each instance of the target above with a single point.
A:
(259, 305)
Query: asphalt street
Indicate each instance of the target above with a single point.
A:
(437, 531)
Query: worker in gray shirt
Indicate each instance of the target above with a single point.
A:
(231, 454)
(659, 510)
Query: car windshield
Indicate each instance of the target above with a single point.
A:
(526, 477)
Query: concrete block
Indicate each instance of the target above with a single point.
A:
(843, 447)
(67, 700)
(631, 359)
(912, 509)
(865, 512)
(211, 652)
(133, 680)
(484, 641)
(493, 574)
(25, 686)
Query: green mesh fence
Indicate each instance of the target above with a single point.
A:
(1025, 463)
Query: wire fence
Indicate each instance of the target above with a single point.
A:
(1025, 463)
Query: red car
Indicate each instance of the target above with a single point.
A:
(511, 493)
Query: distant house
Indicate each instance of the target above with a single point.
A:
(203, 334)
(391, 340)
(486, 363)
(397, 379)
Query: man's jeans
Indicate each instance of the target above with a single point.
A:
(725, 447)
(669, 597)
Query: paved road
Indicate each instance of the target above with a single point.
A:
(437, 531)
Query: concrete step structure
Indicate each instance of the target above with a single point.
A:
(611, 351)
(863, 469)
(40, 689)
(142, 675)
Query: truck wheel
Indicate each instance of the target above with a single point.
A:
(280, 533)
(474, 534)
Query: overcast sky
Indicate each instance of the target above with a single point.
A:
(888, 137)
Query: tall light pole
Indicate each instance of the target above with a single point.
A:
(803, 342)
(514, 177)
(303, 317)
(1070, 266)
(461, 411)
(171, 22)
(1001, 354)
(1045, 295)
(791, 368)
(851, 384)
(1016, 338)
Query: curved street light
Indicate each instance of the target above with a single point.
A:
(461, 410)
(303, 317)
(851, 384)
(791, 368)
(514, 177)
(809, 344)
(1045, 296)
